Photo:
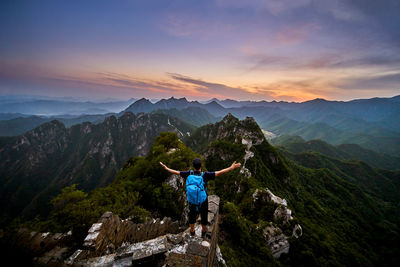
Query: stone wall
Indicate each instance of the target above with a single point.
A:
(110, 232)
(112, 242)
(195, 251)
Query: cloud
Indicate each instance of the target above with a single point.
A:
(287, 90)
(123, 80)
(190, 24)
(275, 7)
(388, 61)
(265, 62)
(212, 89)
(381, 81)
(294, 34)
(341, 10)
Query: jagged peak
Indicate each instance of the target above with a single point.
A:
(214, 103)
(250, 119)
(229, 118)
(317, 100)
(172, 99)
(53, 124)
(233, 129)
(142, 100)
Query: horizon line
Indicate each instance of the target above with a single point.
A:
(155, 100)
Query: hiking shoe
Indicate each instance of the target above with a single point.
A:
(192, 233)
(203, 234)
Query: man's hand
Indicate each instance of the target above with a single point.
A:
(232, 167)
(168, 169)
(235, 165)
(163, 165)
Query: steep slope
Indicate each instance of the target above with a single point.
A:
(379, 183)
(343, 152)
(36, 165)
(344, 221)
(386, 142)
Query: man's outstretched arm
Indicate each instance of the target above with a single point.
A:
(170, 170)
(232, 167)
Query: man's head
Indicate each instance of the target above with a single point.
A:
(197, 164)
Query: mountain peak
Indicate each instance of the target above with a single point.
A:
(143, 100)
(141, 105)
(49, 126)
(317, 100)
(229, 118)
(214, 104)
(229, 128)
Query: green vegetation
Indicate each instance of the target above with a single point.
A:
(138, 191)
(381, 142)
(296, 144)
(344, 222)
(244, 244)
(348, 211)
(37, 165)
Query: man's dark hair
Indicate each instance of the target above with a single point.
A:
(197, 163)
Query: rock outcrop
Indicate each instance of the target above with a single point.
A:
(248, 154)
(276, 240)
(229, 128)
(282, 212)
(115, 242)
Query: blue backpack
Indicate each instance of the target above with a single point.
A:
(195, 191)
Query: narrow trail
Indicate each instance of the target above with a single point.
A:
(169, 123)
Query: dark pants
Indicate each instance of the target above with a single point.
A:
(203, 209)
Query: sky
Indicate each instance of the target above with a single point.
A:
(290, 50)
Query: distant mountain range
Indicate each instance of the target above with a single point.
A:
(50, 107)
(144, 105)
(371, 123)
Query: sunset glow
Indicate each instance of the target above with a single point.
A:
(259, 50)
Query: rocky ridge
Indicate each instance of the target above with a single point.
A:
(51, 156)
(247, 133)
(229, 128)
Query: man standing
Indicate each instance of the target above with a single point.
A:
(193, 209)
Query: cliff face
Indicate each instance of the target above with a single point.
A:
(231, 140)
(229, 128)
(36, 165)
